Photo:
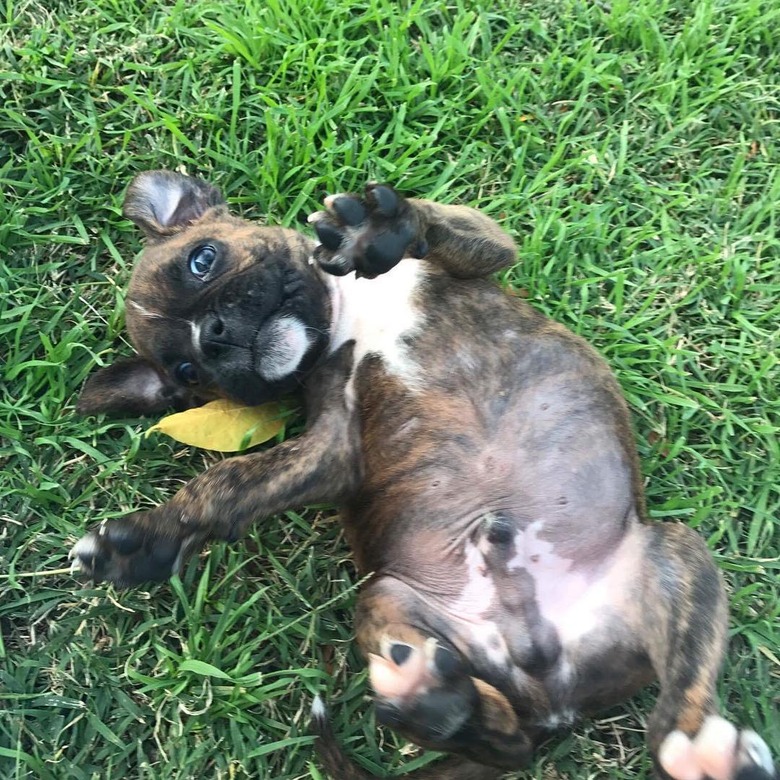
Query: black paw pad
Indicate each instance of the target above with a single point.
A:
(164, 552)
(389, 715)
(399, 653)
(755, 773)
(349, 210)
(385, 250)
(386, 200)
(435, 716)
(334, 264)
(122, 537)
(330, 237)
(448, 664)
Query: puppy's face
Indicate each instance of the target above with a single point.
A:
(217, 306)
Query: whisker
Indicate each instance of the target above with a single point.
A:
(155, 315)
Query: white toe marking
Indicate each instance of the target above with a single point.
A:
(714, 748)
(316, 216)
(475, 603)
(328, 201)
(84, 548)
(318, 709)
(176, 568)
(677, 759)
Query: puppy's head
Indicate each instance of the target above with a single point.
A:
(217, 306)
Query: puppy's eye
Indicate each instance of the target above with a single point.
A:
(201, 259)
(186, 373)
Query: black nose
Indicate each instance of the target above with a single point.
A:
(212, 328)
(213, 334)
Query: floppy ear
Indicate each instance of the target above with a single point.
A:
(163, 202)
(132, 387)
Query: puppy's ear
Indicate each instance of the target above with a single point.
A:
(161, 203)
(132, 387)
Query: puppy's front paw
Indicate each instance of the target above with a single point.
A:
(130, 551)
(717, 752)
(368, 234)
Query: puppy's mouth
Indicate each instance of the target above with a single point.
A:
(246, 362)
(280, 347)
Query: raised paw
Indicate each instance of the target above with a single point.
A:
(717, 752)
(368, 234)
(130, 551)
(422, 688)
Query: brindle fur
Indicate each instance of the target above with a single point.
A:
(515, 418)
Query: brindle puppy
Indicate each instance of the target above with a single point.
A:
(481, 456)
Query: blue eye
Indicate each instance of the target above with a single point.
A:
(186, 373)
(201, 259)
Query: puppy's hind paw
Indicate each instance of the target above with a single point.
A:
(717, 752)
(421, 688)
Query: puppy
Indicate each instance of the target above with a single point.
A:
(481, 457)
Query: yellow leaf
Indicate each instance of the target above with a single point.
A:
(223, 425)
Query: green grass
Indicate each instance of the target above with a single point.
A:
(631, 149)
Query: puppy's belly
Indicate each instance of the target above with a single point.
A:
(497, 492)
(523, 550)
(523, 614)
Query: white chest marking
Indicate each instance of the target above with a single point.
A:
(377, 313)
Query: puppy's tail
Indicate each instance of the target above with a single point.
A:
(339, 766)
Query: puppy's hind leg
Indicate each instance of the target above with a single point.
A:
(424, 690)
(341, 766)
(684, 632)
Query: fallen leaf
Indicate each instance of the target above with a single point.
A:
(223, 425)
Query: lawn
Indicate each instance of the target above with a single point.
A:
(631, 148)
